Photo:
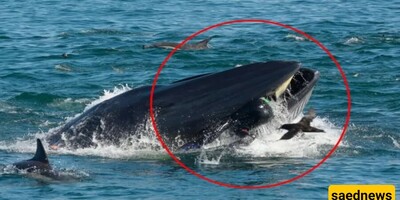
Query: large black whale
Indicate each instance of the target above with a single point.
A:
(194, 111)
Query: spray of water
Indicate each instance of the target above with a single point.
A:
(268, 145)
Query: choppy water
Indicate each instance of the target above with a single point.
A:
(40, 90)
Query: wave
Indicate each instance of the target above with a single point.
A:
(296, 37)
(142, 145)
(372, 39)
(36, 97)
(354, 40)
(21, 76)
(268, 145)
(63, 67)
(108, 94)
(94, 31)
(4, 37)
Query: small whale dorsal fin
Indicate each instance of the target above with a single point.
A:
(40, 154)
(205, 41)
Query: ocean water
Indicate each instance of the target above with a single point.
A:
(41, 90)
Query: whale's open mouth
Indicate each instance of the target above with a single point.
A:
(191, 109)
(298, 92)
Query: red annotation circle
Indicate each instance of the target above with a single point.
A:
(152, 116)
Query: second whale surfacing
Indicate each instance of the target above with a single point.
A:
(39, 168)
(203, 44)
(194, 111)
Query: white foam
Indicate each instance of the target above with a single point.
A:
(70, 100)
(205, 159)
(295, 37)
(63, 67)
(303, 145)
(268, 143)
(395, 143)
(23, 145)
(143, 145)
(354, 40)
(108, 94)
(6, 108)
(139, 145)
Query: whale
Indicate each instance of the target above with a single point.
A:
(203, 44)
(193, 111)
(38, 164)
(39, 168)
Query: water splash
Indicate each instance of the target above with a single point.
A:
(268, 145)
(108, 94)
(395, 143)
(304, 145)
(209, 159)
(353, 40)
(141, 145)
(295, 37)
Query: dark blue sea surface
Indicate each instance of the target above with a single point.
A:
(103, 40)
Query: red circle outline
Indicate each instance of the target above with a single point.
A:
(152, 117)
